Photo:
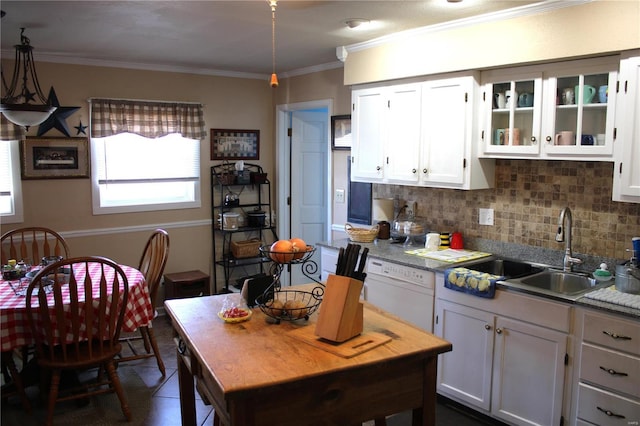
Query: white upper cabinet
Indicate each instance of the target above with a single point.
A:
(418, 133)
(626, 172)
(368, 131)
(553, 111)
(447, 158)
(403, 138)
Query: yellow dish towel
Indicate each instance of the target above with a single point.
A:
(477, 283)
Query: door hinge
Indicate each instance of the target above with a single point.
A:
(482, 135)
(615, 133)
(466, 97)
(387, 160)
(289, 132)
(353, 107)
(566, 359)
(436, 319)
(288, 201)
(464, 163)
(389, 103)
(484, 96)
(626, 86)
(620, 168)
(618, 86)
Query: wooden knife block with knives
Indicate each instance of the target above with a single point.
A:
(340, 316)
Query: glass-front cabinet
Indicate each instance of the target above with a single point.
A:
(579, 111)
(514, 105)
(553, 111)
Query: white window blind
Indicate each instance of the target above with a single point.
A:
(10, 183)
(135, 173)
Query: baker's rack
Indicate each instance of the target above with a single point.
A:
(297, 304)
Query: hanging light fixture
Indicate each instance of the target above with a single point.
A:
(16, 105)
(274, 77)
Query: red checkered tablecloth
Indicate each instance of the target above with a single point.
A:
(14, 325)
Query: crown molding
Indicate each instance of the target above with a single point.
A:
(531, 9)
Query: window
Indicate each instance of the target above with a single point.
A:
(10, 183)
(133, 173)
(145, 155)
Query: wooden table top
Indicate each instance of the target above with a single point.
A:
(258, 353)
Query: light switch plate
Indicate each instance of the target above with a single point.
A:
(485, 216)
(339, 197)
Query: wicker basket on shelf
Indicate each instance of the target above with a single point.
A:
(361, 235)
(248, 248)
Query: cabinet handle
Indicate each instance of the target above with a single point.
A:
(498, 330)
(487, 327)
(612, 371)
(616, 336)
(413, 171)
(377, 168)
(424, 171)
(534, 140)
(611, 413)
(182, 347)
(548, 139)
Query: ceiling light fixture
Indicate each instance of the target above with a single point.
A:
(274, 77)
(355, 22)
(16, 104)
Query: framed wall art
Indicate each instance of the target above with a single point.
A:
(229, 144)
(341, 132)
(54, 158)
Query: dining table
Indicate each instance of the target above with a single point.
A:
(262, 372)
(15, 332)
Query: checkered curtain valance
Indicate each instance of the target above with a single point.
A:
(146, 118)
(10, 131)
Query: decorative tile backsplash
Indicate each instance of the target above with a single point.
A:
(527, 200)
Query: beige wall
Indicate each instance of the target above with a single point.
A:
(584, 30)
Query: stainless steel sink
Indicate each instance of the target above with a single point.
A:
(507, 268)
(563, 285)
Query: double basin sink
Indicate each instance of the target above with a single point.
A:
(539, 279)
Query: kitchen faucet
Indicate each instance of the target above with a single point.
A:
(568, 260)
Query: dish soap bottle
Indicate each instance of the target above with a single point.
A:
(602, 274)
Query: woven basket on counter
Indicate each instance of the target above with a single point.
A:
(361, 235)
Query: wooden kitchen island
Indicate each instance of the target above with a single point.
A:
(257, 373)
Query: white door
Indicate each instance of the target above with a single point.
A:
(309, 180)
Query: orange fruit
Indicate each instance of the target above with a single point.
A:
(281, 251)
(299, 247)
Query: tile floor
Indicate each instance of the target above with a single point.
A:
(165, 404)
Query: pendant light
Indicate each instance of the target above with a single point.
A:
(274, 77)
(16, 105)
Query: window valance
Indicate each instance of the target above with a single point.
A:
(146, 118)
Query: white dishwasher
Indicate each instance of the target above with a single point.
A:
(402, 290)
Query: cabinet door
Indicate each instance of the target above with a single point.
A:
(528, 373)
(579, 112)
(446, 134)
(403, 138)
(627, 167)
(368, 130)
(512, 110)
(465, 372)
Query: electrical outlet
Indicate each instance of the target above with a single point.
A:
(411, 208)
(485, 216)
(339, 196)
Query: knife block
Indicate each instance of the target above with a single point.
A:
(340, 316)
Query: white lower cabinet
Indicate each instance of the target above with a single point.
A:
(507, 360)
(607, 386)
(328, 262)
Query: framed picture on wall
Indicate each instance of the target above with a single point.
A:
(54, 158)
(230, 144)
(341, 132)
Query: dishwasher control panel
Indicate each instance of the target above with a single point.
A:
(401, 272)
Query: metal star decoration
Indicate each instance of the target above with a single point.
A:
(80, 128)
(58, 119)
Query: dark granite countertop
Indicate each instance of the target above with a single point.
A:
(396, 253)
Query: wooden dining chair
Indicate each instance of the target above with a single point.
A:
(84, 299)
(152, 263)
(32, 244)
